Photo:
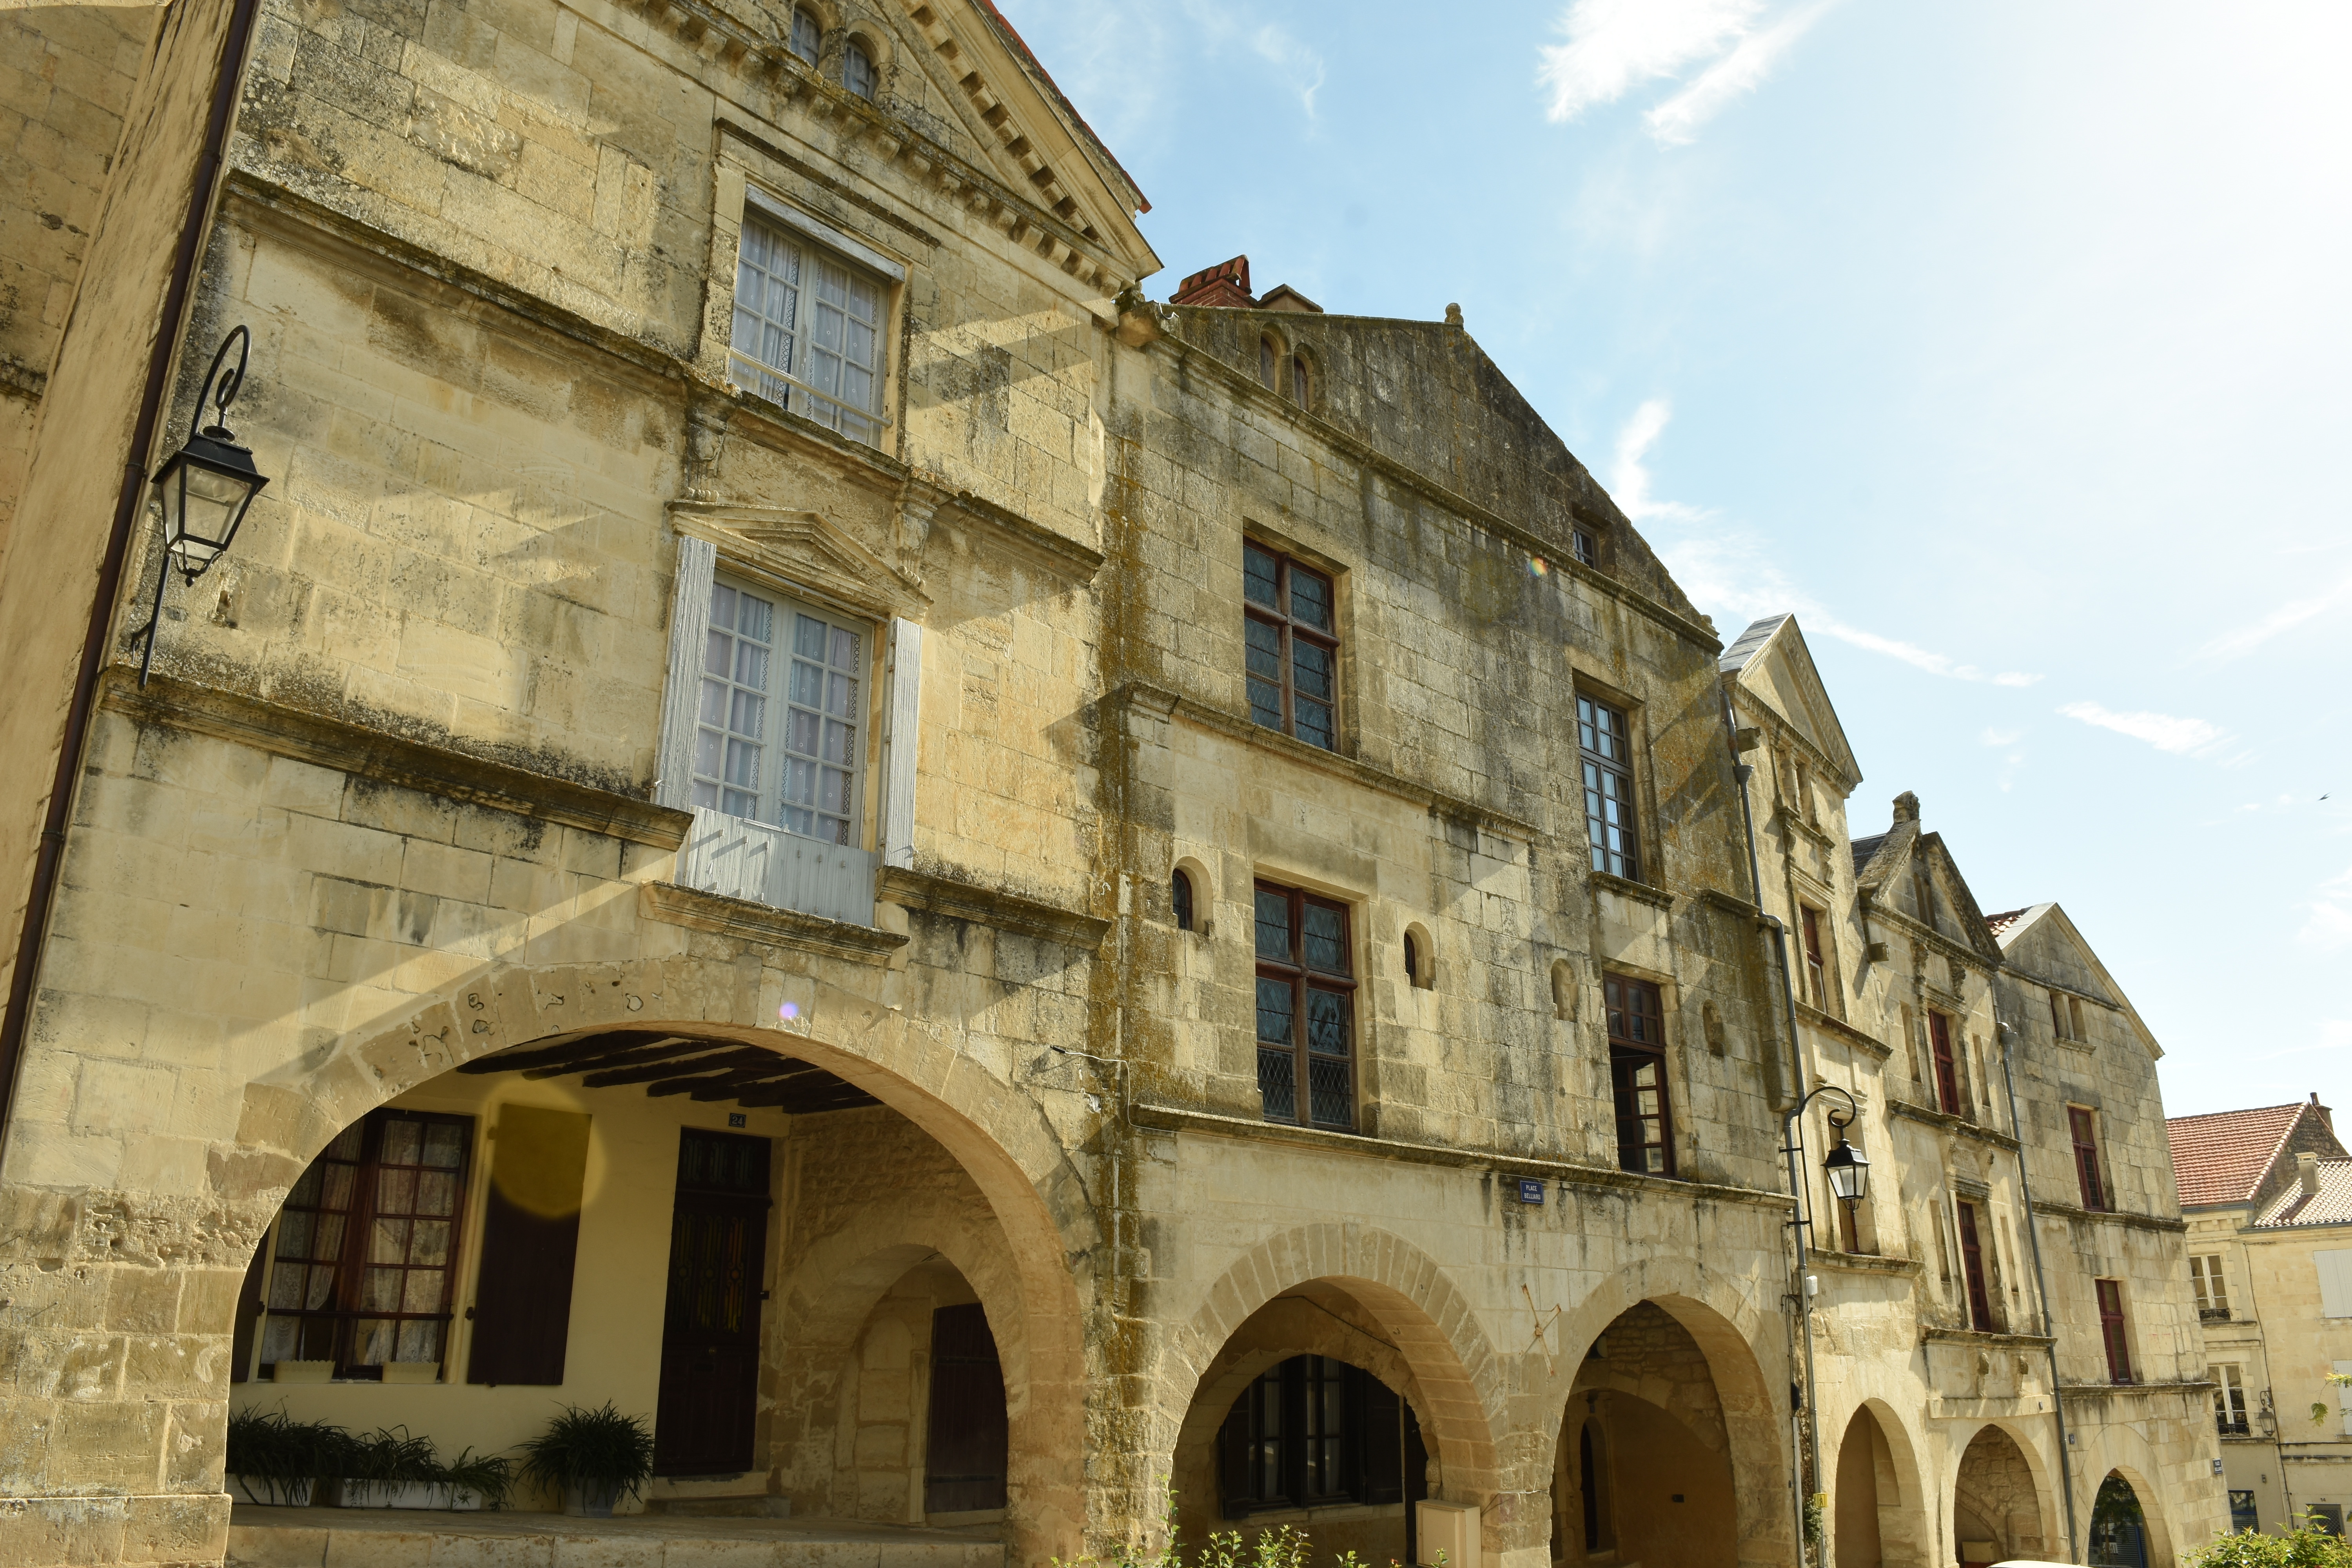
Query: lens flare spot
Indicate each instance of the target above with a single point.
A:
(789, 1011)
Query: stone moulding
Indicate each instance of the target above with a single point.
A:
(1233, 726)
(1829, 1023)
(764, 924)
(1056, 550)
(938, 895)
(1950, 1123)
(1625, 888)
(2112, 1216)
(1863, 1262)
(349, 747)
(1730, 904)
(1152, 1117)
(1930, 1333)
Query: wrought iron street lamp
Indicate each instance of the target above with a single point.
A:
(1848, 1171)
(205, 488)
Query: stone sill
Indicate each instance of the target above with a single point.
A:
(2095, 1390)
(992, 907)
(1157, 1118)
(764, 923)
(1624, 887)
(1829, 1023)
(1986, 1337)
(1863, 1262)
(2113, 1216)
(1950, 1123)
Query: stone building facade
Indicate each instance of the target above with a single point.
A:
(2268, 1194)
(712, 844)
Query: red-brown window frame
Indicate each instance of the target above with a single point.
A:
(2113, 1331)
(339, 1321)
(1637, 1039)
(1304, 981)
(1290, 631)
(1972, 1269)
(1816, 968)
(2084, 1130)
(1940, 1045)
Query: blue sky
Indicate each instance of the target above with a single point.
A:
(2009, 344)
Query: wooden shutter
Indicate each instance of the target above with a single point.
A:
(689, 628)
(965, 1457)
(901, 728)
(2335, 1266)
(531, 1243)
(1972, 1268)
(2110, 1328)
(1380, 1437)
(1233, 1457)
(2087, 1157)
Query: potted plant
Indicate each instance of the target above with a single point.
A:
(387, 1469)
(276, 1460)
(473, 1481)
(594, 1457)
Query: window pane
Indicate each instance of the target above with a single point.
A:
(1310, 598)
(443, 1147)
(1274, 925)
(1327, 945)
(1275, 1001)
(1326, 1022)
(1331, 1102)
(1258, 576)
(1276, 1085)
(1314, 723)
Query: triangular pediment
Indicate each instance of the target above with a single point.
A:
(803, 549)
(2043, 943)
(1770, 661)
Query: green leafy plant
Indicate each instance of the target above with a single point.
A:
(2302, 1548)
(1280, 1547)
(278, 1457)
(1816, 1536)
(488, 1476)
(602, 1454)
(388, 1456)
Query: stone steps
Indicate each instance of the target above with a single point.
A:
(401, 1537)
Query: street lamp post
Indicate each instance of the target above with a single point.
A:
(1849, 1178)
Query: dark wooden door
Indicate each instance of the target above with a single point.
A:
(964, 1464)
(711, 1333)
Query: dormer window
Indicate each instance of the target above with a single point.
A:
(858, 72)
(807, 36)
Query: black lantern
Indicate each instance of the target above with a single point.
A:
(1848, 1172)
(204, 488)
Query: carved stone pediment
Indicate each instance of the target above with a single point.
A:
(803, 547)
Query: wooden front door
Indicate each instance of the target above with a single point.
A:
(711, 1333)
(964, 1467)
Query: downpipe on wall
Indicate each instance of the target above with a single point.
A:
(2041, 1283)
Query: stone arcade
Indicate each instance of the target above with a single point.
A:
(711, 844)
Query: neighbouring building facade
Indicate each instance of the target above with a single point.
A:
(982, 897)
(2268, 1194)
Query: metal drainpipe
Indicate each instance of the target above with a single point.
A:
(1804, 1438)
(50, 852)
(2041, 1287)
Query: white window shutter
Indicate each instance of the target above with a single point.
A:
(689, 628)
(901, 731)
(2334, 1281)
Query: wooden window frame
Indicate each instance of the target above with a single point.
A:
(2114, 1329)
(1817, 979)
(1183, 907)
(1265, 1444)
(1945, 1063)
(1965, 1216)
(1637, 1040)
(2230, 1417)
(339, 1321)
(1292, 633)
(1597, 767)
(2205, 1281)
(1303, 981)
(2083, 1126)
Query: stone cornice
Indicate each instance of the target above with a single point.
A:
(1625, 888)
(1730, 904)
(1056, 550)
(2112, 1216)
(1929, 1334)
(1863, 1262)
(1829, 1023)
(1556, 558)
(1950, 1123)
(764, 924)
(959, 900)
(1918, 932)
(1153, 1117)
(1238, 727)
(2100, 1390)
(375, 754)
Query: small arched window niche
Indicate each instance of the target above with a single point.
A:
(1285, 371)
(807, 36)
(1420, 957)
(1188, 896)
(1563, 990)
(858, 72)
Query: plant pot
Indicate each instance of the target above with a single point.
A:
(303, 1372)
(268, 1493)
(412, 1372)
(593, 1500)
(436, 1495)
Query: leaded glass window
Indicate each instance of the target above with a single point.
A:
(808, 331)
(778, 734)
(1305, 1002)
(1604, 738)
(1291, 624)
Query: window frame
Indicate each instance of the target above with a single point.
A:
(341, 1319)
(2206, 1284)
(2082, 1126)
(1289, 631)
(1978, 1289)
(1184, 911)
(1277, 1450)
(779, 705)
(2114, 1331)
(2229, 1413)
(1629, 1053)
(1595, 765)
(1583, 547)
(750, 373)
(1944, 1062)
(857, 47)
(1817, 976)
(1304, 980)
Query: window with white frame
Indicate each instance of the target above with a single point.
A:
(779, 733)
(2229, 1399)
(2212, 1294)
(808, 329)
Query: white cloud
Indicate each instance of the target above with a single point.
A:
(2287, 617)
(2181, 737)
(1992, 737)
(1615, 45)
(2327, 923)
(1629, 479)
(1302, 65)
(1676, 120)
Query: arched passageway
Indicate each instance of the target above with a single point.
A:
(811, 1298)
(1999, 1508)
(1642, 1471)
(2119, 1526)
(1875, 1518)
(1308, 1417)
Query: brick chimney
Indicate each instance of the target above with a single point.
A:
(2307, 1170)
(1226, 284)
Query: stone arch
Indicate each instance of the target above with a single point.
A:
(1428, 1323)
(1875, 1450)
(2005, 1442)
(2153, 1515)
(1724, 1319)
(996, 1133)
